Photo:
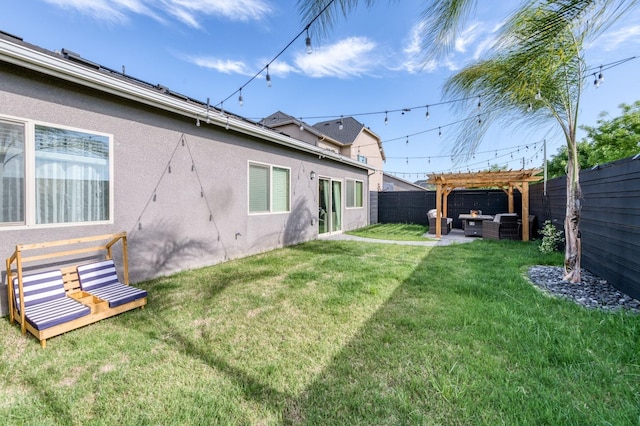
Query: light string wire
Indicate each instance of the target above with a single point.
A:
(588, 74)
(537, 150)
(266, 67)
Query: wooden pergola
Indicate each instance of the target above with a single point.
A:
(506, 180)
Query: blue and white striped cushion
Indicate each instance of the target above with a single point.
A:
(45, 301)
(39, 288)
(119, 294)
(54, 312)
(101, 280)
(98, 274)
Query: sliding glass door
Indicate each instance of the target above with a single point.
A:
(329, 206)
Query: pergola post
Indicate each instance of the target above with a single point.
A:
(525, 211)
(510, 198)
(438, 210)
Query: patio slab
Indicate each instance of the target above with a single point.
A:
(455, 236)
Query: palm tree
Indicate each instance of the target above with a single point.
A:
(533, 74)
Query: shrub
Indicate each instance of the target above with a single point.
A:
(552, 238)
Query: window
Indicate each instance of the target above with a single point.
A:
(362, 158)
(53, 175)
(355, 190)
(269, 189)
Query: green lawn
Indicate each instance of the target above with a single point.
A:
(393, 231)
(337, 332)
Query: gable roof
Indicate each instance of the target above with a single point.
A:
(351, 128)
(71, 67)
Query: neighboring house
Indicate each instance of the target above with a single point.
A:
(346, 136)
(86, 150)
(393, 183)
(424, 183)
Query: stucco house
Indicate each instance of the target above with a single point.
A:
(345, 135)
(87, 150)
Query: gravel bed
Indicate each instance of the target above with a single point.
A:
(593, 292)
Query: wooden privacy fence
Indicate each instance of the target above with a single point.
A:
(610, 222)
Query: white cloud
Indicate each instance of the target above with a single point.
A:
(282, 69)
(612, 41)
(476, 38)
(350, 57)
(467, 37)
(113, 11)
(225, 66)
(188, 12)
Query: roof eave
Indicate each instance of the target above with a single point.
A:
(57, 67)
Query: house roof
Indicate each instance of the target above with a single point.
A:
(70, 66)
(350, 130)
(388, 177)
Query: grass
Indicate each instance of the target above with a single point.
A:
(337, 332)
(393, 231)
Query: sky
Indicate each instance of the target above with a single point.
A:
(364, 65)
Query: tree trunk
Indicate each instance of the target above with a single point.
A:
(572, 252)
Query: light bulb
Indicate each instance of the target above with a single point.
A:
(307, 42)
(427, 115)
(268, 77)
(386, 119)
(538, 96)
(240, 99)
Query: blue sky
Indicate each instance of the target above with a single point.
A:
(366, 64)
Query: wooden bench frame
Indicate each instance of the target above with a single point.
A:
(72, 247)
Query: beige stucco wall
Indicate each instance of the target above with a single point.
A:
(367, 144)
(181, 229)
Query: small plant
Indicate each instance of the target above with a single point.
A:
(552, 238)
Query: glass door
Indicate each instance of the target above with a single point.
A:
(329, 206)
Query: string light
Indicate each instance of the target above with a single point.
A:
(538, 96)
(208, 106)
(530, 107)
(307, 42)
(439, 132)
(386, 118)
(340, 126)
(479, 102)
(427, 115)
(197, 122)
(240, 99)
(268, 77)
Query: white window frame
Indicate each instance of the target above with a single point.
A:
(30, 176)
(353, 203)
(270, 168)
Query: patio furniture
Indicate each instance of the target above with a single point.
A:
(504, 226)
(472, 223)
(445, 222)
(100, 279)
(51, 302)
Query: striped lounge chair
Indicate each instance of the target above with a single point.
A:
(101, 280)
(45, 302)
